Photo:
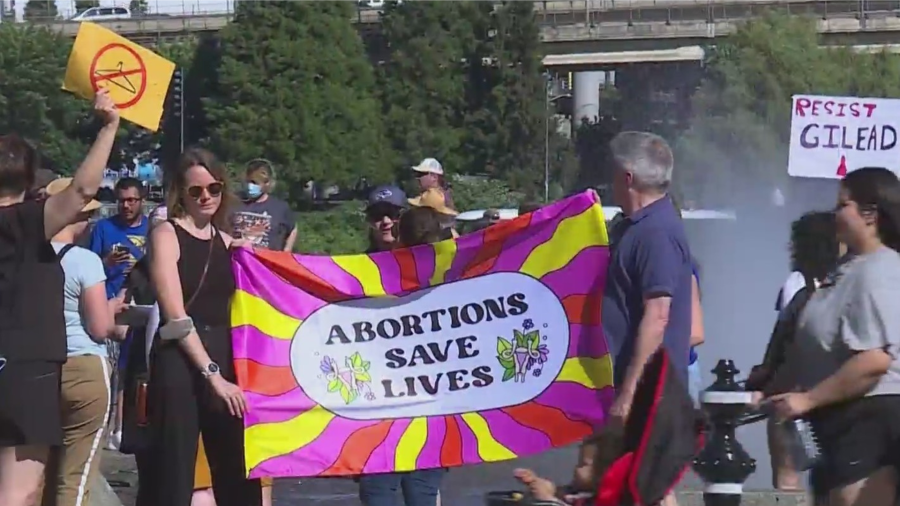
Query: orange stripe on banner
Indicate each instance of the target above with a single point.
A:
(451, 450)
(494, 237)
(264, 379)
(358, 448)
(584, 309)
(554, 423)
(285, 265)
(409, 277)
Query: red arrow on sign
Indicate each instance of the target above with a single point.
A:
(842, 167)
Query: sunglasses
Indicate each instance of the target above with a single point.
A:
(214, 190)
(379, 213)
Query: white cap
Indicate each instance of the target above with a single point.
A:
(429, 166)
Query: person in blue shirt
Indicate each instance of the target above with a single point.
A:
(120, 241)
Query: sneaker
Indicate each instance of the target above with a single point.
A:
(114, 441)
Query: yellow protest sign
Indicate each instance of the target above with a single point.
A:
(137, 78)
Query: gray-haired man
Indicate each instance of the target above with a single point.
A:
(647, 301)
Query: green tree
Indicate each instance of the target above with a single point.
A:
(31, 102)
(41, 10)
(294, 85)
(83, 5)
(423, 79)
(336, 231)
(738, 139)
(138, 7)
(476, 192)
(506, 123)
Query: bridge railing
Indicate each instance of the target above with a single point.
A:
(155, 9)
(595, 12)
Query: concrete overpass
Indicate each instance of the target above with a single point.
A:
(590, 33)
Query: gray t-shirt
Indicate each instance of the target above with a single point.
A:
(267, 224)
(856, 310)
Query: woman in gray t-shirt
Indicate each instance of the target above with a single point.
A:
(847, 351)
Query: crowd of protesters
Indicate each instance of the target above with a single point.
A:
(832, 357)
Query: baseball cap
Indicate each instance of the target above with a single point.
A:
(43, 177)
(387, 194)
(433, 198)
(60, 184)
(429, 166)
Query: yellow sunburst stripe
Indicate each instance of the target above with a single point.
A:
(410, 445)
(571, 236)
(247, 309)
(267, 440)
(444, 253)
(593, 373)
(489, 449)
(364, 270)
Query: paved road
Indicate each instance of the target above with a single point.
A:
(462, 487)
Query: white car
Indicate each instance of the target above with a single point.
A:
(103, 14)
(374, 4)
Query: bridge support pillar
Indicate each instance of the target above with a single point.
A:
(587, 96)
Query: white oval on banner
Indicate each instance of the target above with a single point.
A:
(488, 342)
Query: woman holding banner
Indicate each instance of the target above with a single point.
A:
(192, 391)
(32, 327)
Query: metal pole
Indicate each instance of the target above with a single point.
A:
(547, 144)
(181, 116)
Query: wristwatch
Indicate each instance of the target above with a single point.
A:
(211, 369)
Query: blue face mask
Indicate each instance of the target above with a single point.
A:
(254, 191)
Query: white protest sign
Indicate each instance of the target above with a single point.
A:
(831, 136)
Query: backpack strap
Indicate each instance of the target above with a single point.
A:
(65, 249)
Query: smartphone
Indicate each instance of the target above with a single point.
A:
(119, 249)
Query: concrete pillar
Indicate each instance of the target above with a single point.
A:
(587, 96)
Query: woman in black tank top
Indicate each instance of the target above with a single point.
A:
(192, 392)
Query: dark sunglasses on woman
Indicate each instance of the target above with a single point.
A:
(378, 213)
(214, 190)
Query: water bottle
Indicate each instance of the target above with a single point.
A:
(802, 443)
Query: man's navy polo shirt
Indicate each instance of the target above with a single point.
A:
(650, 257)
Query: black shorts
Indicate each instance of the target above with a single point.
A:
(30, 404)
(856, 439)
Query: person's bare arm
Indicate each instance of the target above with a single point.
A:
(164, 255)
(62, 209)
(649, 338)
(856, 377)
(98, 313)
(697, 331)
(291, 240)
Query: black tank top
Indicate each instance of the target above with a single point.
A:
(211, 306)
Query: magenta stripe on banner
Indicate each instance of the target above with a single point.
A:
(425, 258)
(318, 455)
(276, 408)
(383, 456)
(467, 247)
(518, 438)
(589, 260)
(331, 273)
(430, 456)
(469, 442)
(586, 341)
(578, 402)
(389, 269)
(544, 223)
(261, 348)
(254, 278)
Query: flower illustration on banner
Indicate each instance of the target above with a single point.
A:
(522, 354)
(352, 380)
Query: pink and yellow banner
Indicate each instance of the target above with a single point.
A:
(479, 349)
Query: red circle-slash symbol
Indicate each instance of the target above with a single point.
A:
(119, 76)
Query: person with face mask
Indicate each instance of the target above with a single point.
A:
(263, 219)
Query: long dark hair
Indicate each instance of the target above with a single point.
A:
(419, 225)
(178, 187)
(878, 189)
(19, 161)
(814, 245)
